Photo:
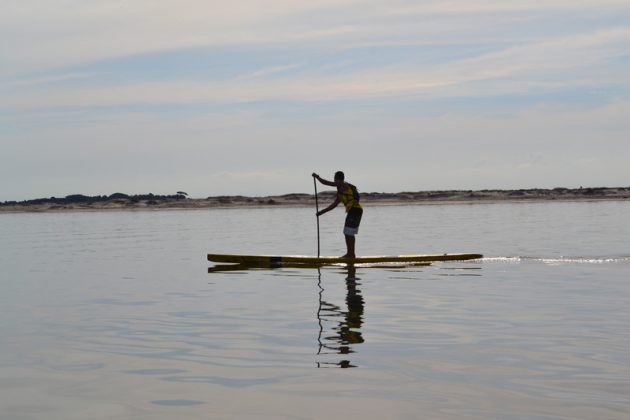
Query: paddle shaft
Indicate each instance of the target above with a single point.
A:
(317, 210)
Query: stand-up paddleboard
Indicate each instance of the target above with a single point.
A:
(299, 259)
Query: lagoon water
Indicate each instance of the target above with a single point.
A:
(113, 315)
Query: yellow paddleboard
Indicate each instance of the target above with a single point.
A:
(302, 259)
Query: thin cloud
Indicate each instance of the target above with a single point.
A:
(60, 33)
(561, 62)
(269, 71)
(503, 6)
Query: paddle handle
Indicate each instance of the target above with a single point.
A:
(317, 210)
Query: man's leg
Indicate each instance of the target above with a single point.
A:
(350, 241)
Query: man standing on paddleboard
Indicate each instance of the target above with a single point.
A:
(349, 196)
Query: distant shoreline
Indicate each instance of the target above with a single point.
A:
(84, 203)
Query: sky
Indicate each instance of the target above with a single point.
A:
(251, 97)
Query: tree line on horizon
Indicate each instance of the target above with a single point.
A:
(587, 192)
(80, 198)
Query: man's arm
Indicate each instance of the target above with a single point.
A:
(329, 208)
(324, 181)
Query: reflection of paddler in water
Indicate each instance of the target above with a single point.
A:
(347, 332)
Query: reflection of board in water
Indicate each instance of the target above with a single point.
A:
(266, 266)
(347, 331)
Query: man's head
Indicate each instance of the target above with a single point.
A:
(339, 176)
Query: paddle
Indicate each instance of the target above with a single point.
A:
(317, 210)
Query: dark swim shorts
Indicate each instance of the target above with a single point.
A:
(353, 219)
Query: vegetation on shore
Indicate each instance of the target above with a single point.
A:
(85, 199)
(180, 199)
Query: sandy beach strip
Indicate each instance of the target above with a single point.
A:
(308, 200)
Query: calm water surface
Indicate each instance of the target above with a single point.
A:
(113, 315)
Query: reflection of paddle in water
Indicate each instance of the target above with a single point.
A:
(347, 331)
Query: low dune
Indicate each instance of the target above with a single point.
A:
(151, 202)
